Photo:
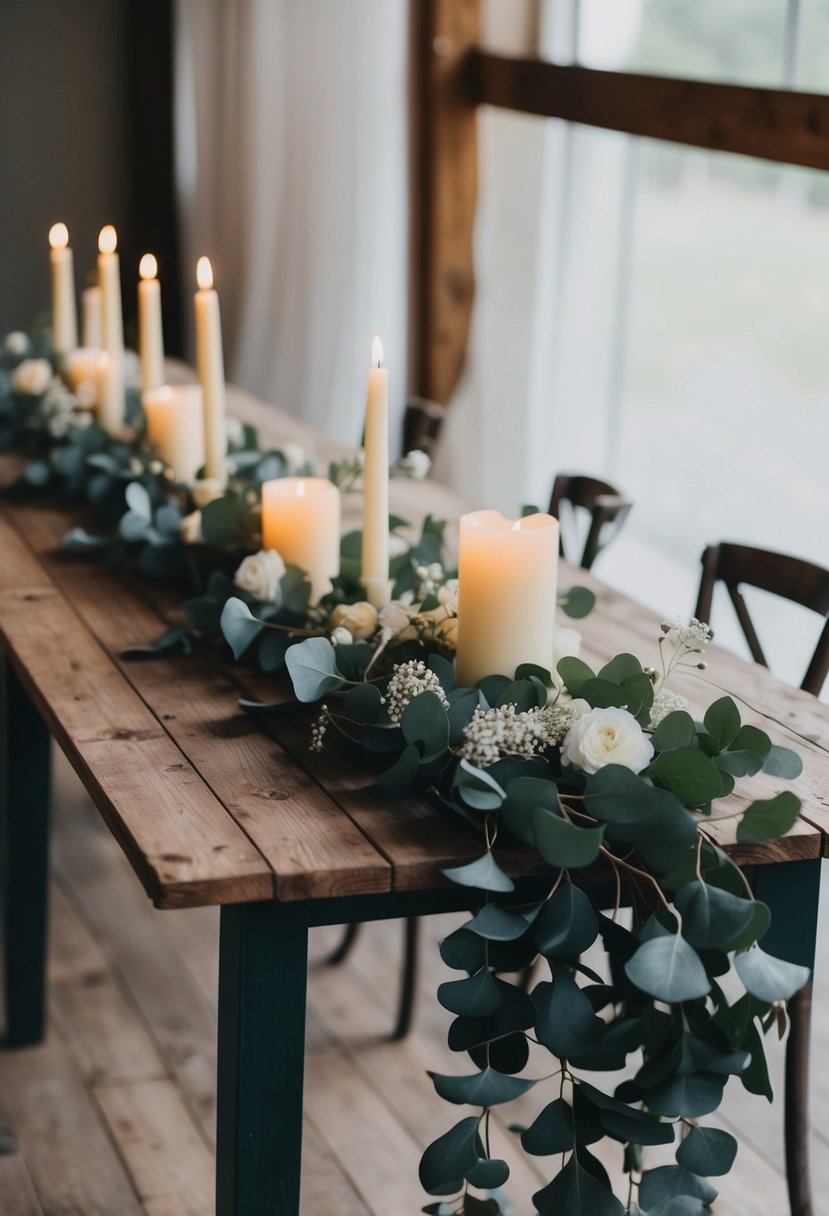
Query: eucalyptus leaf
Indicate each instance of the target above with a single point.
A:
(239, 626)
(722, 722)
(475, 997)
(710, 916)
(138, 501)
(502, 924)
(575, 1192)
(488, 1174)
(565, 1020)
(551, 1131)
(364, 702)
(669, 969)
(483, 873)
(577, 603)
(402, 774)
(485, 1088)
(312, 666)
(768, 818)
(561, 843)
(474, 786)
(769, 978)
(708, 1151)
(677, 729)
(671, 1182)
(444, 1165)
(567, 924)
(783, 762)
(689, 774)
(574, 672)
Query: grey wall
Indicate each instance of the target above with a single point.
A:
(64, 148)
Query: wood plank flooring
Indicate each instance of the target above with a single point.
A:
(114, 1115)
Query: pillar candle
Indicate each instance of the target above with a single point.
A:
(92, 328)
(82, 365)
(301, 520)
(64, 314)
(110, 408)
(210, 367)
(375, 560)
(109, 281)
(174, 418)
(507, 573)
(150, 337)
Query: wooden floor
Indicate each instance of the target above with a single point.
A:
(114, 1115)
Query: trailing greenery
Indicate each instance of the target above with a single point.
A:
(515, 757)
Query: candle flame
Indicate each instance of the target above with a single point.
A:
(148, 266)
(376, 352)
(300, 489)
(107, 239)
(204, 274)
(58, 236)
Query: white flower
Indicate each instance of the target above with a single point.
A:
(235, 431)
(59, 409)
(260, 574)
(15, 344)
(295, 455)
(408, 681)
(415, 464)
(32, 377)
(607, 736)
(448, 596)
(561, 716)
(359, 619)
(684, 635)
(341, 636)
(664, 703)
(493, 733)
(191, 529)
(394, 617)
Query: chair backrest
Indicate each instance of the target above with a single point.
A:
(607, 508)
(791, 578)
(422, 422)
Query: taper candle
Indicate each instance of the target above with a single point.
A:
(301, 520)
(64, 308)
(109, 281)
(210, 367)
(110, 407)
(92, 328)
(507, 574)
(150, 337)
(375, 559)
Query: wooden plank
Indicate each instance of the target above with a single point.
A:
(183, 845)
(446, 183)
(17, 1194)
(72, 1163)
(771, 124)
(313, 849)
(169, 1163)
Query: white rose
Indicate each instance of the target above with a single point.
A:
(260, 574)
(606, 736)
(32, 376)
(295, 455)
(191, 529)
(448, 595)
(415, 464)
(16, 344)
(341, 637)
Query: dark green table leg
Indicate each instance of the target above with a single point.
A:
(263, 971)
(792, 891)
(24, 836)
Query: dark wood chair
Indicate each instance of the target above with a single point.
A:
(606, 507)
(422, 423)
(800, 582)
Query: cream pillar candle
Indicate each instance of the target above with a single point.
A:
(83, 365)
(174, 418)
(111, 402)
(507, 573)
(92, 328)
(109, 281)
(301, 520)
(375, 560)
(64, 309)
(150, 337)
(211, 372)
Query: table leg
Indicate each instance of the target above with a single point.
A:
(24, 854)
(263, 971)
(792, 889)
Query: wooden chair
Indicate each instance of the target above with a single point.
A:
(800, 582)
(607, 508)
(422, 423)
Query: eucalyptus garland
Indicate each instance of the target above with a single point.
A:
(604, 776)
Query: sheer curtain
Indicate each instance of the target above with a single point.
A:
(292, 163)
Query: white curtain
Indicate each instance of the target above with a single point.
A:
(292, 166)
(540, 390)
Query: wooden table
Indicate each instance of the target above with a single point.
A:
(211, 810)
